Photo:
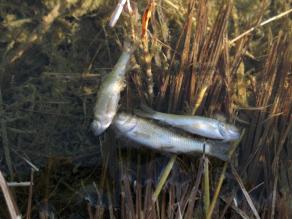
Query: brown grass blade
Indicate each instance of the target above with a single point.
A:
(206, 187)
(4, 136)
(209, 55)
(248, 198)
(222, 177)
(128, 197)
(10, 202)
(29, 202)
(198, 41)
(184, 61)
(260, 25)
(194, 191)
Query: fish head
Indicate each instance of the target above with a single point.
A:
(100, 124)
(229, 132)
(97, 127)
(125, 122)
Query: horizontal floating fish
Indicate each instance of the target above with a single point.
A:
(108, 95)
(152, 135)
(199, 125)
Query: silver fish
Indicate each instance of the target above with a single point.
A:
(148, 133)
(108, 95)
(199, 125)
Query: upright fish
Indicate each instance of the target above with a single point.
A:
(147, 133)
(199, 125)
(108, 95)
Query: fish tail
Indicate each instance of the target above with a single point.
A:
(220, 150)
(146, 112)
(147, 109)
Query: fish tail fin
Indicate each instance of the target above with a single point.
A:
(145, 111)
(220, 150)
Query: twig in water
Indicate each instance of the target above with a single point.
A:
(11, 204)
(18, 184)
(260, 25)
(274, 194)
(28, 210)
(206, 186)
(5, 137)
(34, 167)
(245, 193)
(192, 197)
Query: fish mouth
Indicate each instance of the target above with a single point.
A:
(229, 132)
(233, 134)
(96, 127)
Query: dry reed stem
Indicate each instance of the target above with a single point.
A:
(4, 136)
(198, 41)
(245, 193)
(29, 202)
(206, 186)
(149, 205)
(111, 209)
(267, 94)
(209, 55)
(260, 25)
(19, 184)
(130, 210)
(184, 60)
(217, 191)
(274, 194)
(10, 202)
(236, 209)
(222, 177)
(192, 198)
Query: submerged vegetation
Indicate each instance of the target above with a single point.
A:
(191, 58)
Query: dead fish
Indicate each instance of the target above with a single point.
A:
(150, 134)
(199, 125)
(108, 95)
